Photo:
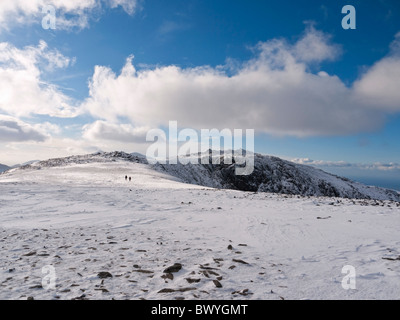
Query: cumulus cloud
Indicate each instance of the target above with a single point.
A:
(69, 13)
(101, 130)
(315, 46)
(274, 93)
(15, 130)
(22, 89)
(380, 85)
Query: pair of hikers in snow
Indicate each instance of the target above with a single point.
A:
(126, 178)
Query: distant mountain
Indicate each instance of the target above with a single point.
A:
(271, 174)
(3, 167)
(24, 164)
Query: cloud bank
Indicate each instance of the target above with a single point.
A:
(391, 166)
(101, 130)
(275, 92)
(15, 130)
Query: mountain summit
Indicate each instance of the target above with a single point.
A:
(271, 174)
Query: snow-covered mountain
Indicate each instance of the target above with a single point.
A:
(110, 238)
(3, 167)
(271, 174)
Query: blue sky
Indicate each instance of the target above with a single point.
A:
(312, 91)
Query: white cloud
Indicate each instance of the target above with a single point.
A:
(343, 164)
(315, 46)
(103, 131)
(274, 93)
(22, 89)
(15, 130)
(69, 13)
(310, 162)
(129, 6)
(380, 85)
(385, 166)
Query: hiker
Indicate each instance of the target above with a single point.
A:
(130, 179)
(126, 178)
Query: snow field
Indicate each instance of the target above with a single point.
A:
(86, 219)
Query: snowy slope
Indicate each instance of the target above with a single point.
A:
(271, 174)
(84, 219)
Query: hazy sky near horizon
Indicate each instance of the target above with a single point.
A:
(113, 69)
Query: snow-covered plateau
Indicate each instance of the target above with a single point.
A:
(182, 232)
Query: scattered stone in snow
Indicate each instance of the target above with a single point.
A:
(392, 259)
(82, 297)
(191, 280)
(169, 276)
(32, 253)
(38, 286)
(213, 273)
(243, 292)
(239, 261)
(207, 268)
(217, 283)
(175, 268)
(104, 275)
(168, 290)
(205, 273)
(43, 255)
